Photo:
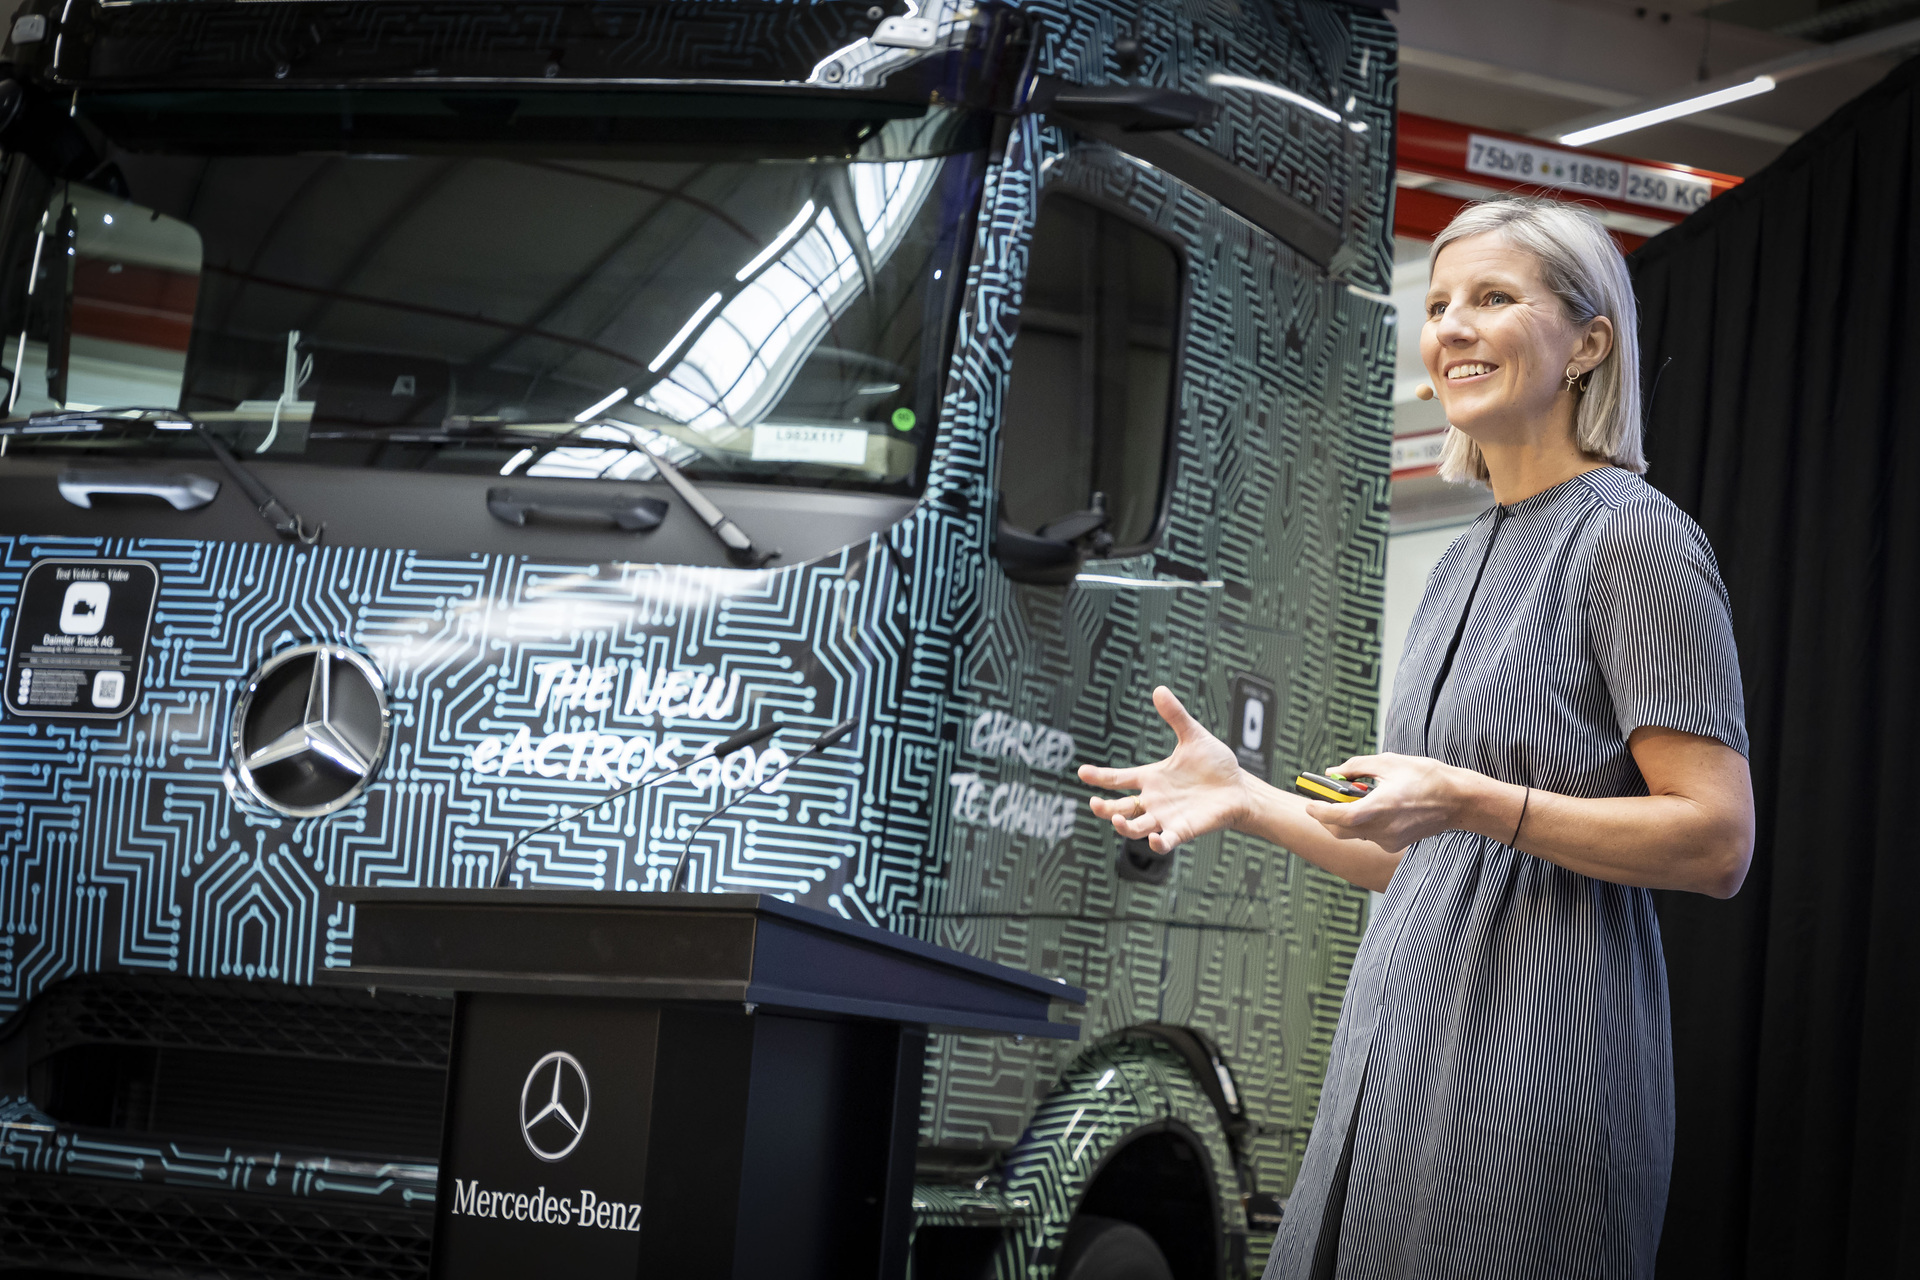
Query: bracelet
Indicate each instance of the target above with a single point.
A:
(1524, 802)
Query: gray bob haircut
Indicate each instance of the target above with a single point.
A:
(1583, 267)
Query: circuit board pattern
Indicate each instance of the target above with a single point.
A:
(123, 846)
(31, 1142)
(1279, 492)
(1108, 1095)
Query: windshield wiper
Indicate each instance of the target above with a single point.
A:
(466, 431)
(284, 520)
(739, 545)
(737, 541)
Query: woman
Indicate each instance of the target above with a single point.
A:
(1566, 732)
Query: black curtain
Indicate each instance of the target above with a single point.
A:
(1786, 316)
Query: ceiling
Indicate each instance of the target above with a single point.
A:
(1535, 66)
(1526, 66)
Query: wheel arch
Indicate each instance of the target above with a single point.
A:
(1109, 1138)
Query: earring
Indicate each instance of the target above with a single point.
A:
(1573, 376)
(1423, 392)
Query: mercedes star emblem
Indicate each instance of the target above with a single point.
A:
(309, 729)
(554, 1088)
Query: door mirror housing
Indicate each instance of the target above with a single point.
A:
(1053, 554)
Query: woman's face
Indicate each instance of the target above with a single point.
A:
(1497, 342)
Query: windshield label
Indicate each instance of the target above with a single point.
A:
(79, 638)
(784, 442)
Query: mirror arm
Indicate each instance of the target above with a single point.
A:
(59, 302)
(1027, 557)
(1130, 108)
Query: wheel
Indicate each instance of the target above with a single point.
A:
(1109, 1249)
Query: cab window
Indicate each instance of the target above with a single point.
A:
(1091, 395)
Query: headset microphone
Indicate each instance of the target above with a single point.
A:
(818, 745)
(721, 750)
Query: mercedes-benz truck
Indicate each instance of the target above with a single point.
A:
(432, 428)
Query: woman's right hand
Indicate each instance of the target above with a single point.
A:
(1197, 789)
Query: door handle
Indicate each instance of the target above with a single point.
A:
(182, 490)
(634, 515)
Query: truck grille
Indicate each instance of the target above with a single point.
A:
(244, 1017)
(254, 1084)
(161, 1232)
(259, 1064)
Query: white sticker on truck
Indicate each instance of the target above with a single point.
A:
(789, 442)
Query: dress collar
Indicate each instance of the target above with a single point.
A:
(1604, 482)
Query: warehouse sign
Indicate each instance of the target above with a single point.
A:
(1418, 455)
(1523, 163)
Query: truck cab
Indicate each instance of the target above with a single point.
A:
(627, 446)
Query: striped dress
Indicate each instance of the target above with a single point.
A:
(1499, 1100)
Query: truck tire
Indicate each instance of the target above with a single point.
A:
(1109, 1249)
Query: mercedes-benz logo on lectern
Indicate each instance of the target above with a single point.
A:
(309, 729)
(553, 1106)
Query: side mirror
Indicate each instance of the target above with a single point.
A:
(1053, 554)
(41, 126)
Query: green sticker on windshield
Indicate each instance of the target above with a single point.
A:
(903, 419)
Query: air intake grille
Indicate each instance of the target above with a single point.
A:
(264, 1065)
(162, 1233)
(245, 1017)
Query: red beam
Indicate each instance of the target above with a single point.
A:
(141, 326)
(1419, 214)
(132, 302)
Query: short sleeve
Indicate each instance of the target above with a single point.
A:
(1661, 627)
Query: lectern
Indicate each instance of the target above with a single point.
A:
(678, 1085)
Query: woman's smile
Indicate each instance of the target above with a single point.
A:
(1468, 371)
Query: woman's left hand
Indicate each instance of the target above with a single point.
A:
(1412, 798)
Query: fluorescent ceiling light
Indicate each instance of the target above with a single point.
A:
(780, 242)
(601, 406)
(1672, 111)
(1274, 91)
(686, 331)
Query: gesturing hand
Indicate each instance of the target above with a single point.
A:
(1195, 790)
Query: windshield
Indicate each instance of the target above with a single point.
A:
(761, 289)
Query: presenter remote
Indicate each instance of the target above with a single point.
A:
(1337, 790)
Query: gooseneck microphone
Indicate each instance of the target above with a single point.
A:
(725, 748)
(819, 744)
